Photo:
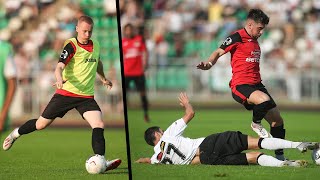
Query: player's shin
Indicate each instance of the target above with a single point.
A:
(144, 101)
(278, 132)
(98, 141)
(276, 143)
(28, 127)
(266, 160)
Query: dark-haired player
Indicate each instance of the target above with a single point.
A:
(171, 147)
(245, 84)
(135, 60)
(75, 76)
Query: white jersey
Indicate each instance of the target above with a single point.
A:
(173, 148)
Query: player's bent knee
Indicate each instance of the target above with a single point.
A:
(42, 123)
(252, 157)
(98, 124)
(253, 143)
(268, 105)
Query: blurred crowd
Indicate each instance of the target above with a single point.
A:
(194, 28)
(37, 30)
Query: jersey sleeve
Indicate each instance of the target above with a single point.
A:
(154, 159)
(67, 53)
(231, 42)
(157, 156)
(10, 69)
(176, 129)
(143, 47)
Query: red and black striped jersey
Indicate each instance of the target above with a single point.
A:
(245, 58)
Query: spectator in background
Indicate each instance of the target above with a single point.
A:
(312, 26)
(7, 82)
(135, 60)
(114, 94)
(132, 14)
(161, 50)
(22, 60)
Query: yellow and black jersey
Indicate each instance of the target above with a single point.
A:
(81, 62)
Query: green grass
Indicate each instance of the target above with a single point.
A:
(60, 154)
(301, 126)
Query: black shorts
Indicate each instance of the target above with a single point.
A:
(139, 82)
(224, 149)
(59, 105)
(242, 92)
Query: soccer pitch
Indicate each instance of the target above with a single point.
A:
(60, 154)
(300, 126)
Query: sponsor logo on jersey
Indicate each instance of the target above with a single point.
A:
(255, 56)
(256, 53)
(256, 60)
(91, 60)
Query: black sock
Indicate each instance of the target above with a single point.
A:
(28, 127)
(144, 101)
(98, 142)
(278, 132)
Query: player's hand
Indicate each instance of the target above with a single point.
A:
(59, 84)
(140, 160)
(183, 98)
(107, 83)
(143, 160)
(204, 66)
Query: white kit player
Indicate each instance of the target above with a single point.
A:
(173, 148)
(225, 148)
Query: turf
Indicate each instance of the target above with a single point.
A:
(301, 126)
(60, 154)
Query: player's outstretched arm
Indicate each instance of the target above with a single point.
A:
(144, 160)
(211, 60)
(103, 78)
(58, 73)
(184, 102)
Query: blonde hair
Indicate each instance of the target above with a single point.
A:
(86, 19)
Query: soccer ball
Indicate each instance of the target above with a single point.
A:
(96, 164)
(316, 156)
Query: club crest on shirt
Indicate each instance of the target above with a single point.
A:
(136, 44)
(227, 42)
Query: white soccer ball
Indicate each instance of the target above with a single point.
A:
(316, 156)
(96, 164)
